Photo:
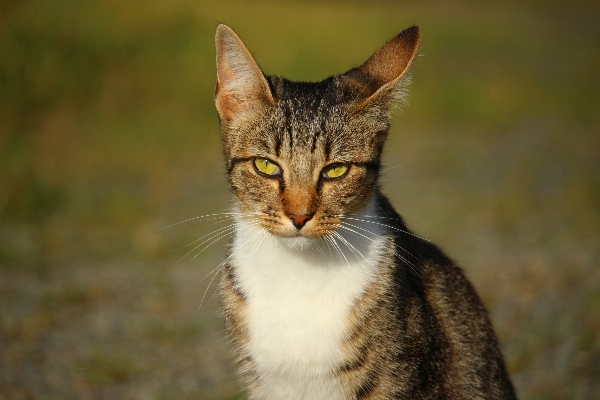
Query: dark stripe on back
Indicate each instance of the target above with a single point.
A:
(358, 362)
(368, 386)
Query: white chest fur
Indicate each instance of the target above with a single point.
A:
(298, 303)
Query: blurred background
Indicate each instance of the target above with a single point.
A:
(108, 134)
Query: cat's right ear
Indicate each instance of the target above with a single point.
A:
(381, 78)
(241, 85)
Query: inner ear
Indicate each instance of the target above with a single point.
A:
(241, 85)
(384, 70)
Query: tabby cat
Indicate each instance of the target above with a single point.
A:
(326, 293)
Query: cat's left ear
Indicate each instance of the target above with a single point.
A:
(241, 85)
(380, 78)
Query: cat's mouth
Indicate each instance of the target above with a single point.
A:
(295, 236)
(308, 233)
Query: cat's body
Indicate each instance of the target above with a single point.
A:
(326, 294)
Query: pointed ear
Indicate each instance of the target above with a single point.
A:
(382, 73)
(241, 85)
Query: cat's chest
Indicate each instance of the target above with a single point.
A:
(298, 302)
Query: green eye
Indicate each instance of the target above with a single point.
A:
(336, 170)
(267, 167)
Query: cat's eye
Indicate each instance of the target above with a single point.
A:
(266, 166)
(336, 170)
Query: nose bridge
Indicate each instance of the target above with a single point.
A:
(300, 192)
(300, 199)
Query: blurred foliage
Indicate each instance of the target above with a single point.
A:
(108, 133)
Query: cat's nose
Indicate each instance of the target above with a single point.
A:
(300, 220)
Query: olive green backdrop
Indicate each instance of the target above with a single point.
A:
(108, 134)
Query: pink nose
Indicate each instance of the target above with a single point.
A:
(300, 220)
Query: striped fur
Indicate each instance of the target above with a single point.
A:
(349, 304)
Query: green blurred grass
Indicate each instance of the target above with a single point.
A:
(108, 133)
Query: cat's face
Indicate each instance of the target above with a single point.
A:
(302, 155)
(299, 169)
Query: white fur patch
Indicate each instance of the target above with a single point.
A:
(298, 301)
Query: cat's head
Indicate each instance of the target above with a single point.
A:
(302, 155)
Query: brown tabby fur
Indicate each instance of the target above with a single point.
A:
(419, 330)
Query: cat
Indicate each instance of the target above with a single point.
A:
(325, 292)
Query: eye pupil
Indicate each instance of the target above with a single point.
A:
(266, 166)
(335, 170)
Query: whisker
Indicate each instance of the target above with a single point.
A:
(203, 236)
(253, 250)
(222, 263)
(356, 251)
(330, 245)
(366, 216)
(229, 231)
(391, 249)
(218, 266)
(349, 245)
(395, 166)
(318, 248)
(209, 284)
(200, 238)
(386, 225)
(337, 247)
(220, 233)
(386, 239)
(223, 215)
(265, 235)
(329, 248)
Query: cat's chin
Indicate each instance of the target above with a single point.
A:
(298, 242)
